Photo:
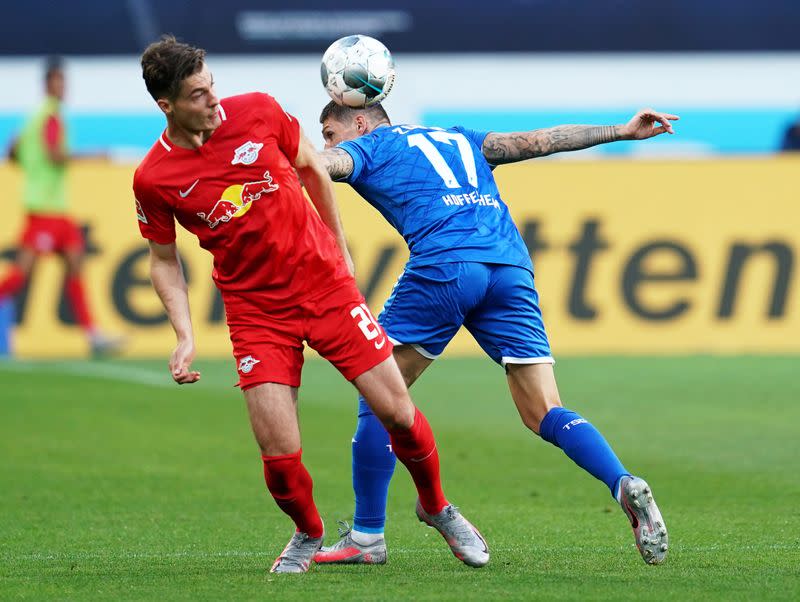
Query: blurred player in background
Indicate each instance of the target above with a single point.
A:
(41, 151)
(468, 266)
(224, 168)
(791, 138)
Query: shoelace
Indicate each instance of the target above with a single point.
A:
(344, 528)
(295, 542)
(462, 527)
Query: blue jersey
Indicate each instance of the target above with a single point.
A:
(437, 189)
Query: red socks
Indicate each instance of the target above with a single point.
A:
(77, 300)
(416, 449)
(15, 280)
(12, 283)
(290, 484)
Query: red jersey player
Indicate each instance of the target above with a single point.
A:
(225, 170)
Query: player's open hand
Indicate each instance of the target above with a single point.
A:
(180, 364)
(648, 123)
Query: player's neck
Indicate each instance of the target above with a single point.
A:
(372, 128)
(187, 138)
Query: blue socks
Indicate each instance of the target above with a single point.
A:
(373, 466)
(373, 460)
(584, 445)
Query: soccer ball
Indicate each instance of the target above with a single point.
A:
(357, 71)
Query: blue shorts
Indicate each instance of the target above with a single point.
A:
(497, 304)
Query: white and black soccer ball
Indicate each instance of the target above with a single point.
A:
(357, 71)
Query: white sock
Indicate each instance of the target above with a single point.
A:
(365, 539)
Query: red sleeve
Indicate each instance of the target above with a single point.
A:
(285, 126)
(155, 216)
(53, 133)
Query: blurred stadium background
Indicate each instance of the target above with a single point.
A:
(648, 255)
(692, 250)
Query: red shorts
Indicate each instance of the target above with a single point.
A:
(268, 342)
(51, 233)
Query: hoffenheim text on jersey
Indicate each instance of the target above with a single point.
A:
(436, 188)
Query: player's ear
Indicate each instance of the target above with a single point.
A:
(361, 123)
(165, 106)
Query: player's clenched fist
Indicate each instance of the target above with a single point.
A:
(180, 364)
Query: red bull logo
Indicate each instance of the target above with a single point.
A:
(236, 200)
(252, 191)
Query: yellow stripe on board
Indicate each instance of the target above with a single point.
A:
(630, 257)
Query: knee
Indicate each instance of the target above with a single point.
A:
(533, 412)
(399, 414)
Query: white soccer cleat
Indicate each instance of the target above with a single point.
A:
(466, 542)
(349, 551)
(298, 554)
(649, 529)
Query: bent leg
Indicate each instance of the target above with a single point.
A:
(273, 416)
(409, 432)
(373, 459)
(535, 393)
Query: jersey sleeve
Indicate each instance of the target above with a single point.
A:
(362, 151)
(155, 216)
(285, 126)
(475, 136)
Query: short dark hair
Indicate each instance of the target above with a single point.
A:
(166, 63)
(52, 65)
(342, 113)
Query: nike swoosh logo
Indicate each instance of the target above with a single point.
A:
(363, 81)
(380, 346)
(185, 194)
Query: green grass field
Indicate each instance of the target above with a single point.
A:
(117, 485)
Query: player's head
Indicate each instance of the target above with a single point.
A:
(341, 123)
(177, 78)
(54, 77)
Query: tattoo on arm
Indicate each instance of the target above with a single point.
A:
(338, 162)
(518, 146)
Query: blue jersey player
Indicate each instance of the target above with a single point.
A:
(468, 267)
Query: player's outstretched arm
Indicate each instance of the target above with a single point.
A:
(166, 273)
(320, 189)
(337, 162)
(509, 147)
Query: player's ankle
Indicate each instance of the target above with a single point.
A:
(618, 487)
(365, 539)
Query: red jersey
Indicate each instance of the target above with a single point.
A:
(239, 194)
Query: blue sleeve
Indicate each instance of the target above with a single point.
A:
(473, 136)
(477, 138)
(360, 150)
